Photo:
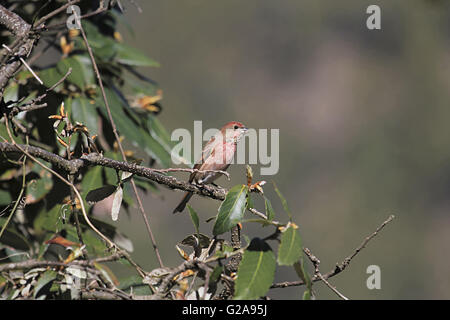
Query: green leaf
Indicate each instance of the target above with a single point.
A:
(300, 270)
(91, 180)
(256, 271)
(136, 135)
(250, 203)
(160, 133)
(11, 92)
(4, 134)
(215, 275)
(283, 201)
(94, 245)
(49, 220)
(47, 277)
(76, 76)
(102, 46)
(124, 124)
(194, 217)
(14, 239)
(290, 249)
(153, 148)
(134, 283)
(5, 198)
(231, 210)
(84, 112)
(133, 57)
(51, 76)
(39, 187)
(82, 73)
(100, 194)
(269, 210)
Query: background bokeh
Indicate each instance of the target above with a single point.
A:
(363, 118)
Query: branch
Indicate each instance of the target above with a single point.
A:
(13, 22)
(70, 166)
(25, 64)
(339, 266)
(33, 104)
(116, 135)
(316, 263)
(169, 279)
(156, 175)
(30, 264)
(100, 293)
(54, 13)
(71, 185)
(24, 45)
(101, 8)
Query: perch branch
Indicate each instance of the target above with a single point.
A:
(94, 159)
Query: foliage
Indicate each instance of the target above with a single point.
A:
(69, 126)
(58, 255)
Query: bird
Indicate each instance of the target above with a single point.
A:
(217, 154)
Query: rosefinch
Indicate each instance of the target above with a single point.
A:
(217, 154)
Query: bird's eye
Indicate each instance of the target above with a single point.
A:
(236, 127)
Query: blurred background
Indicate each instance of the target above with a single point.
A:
(363, 118)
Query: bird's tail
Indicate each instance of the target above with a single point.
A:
(184, 201)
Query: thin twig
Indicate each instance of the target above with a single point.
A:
(347, 260)
(63, 24)
(30, 264)
(116, 135)
(21, 46)
(19, 198)
(316, 263)
(54, 13)
(32, 105)
(339, 266)
(71, 178)
(75, 165)
(110, 243)
(333, 288)
(25, 64)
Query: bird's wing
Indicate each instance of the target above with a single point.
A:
(206, 153)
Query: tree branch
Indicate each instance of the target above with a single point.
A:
(20, 29)
(316, 262)
(13, 22)
(75, 165)
(339, 266)
(30, 264)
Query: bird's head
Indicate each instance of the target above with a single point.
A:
(233, 130)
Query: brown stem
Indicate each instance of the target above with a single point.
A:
(116, 135)
(339, 266)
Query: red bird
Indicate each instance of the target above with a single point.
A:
(217, 154)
